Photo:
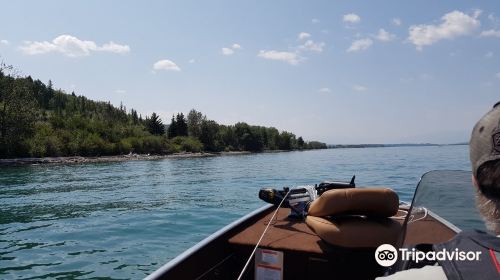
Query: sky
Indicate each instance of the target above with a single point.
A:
(334, 71)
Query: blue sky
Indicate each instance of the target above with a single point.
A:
(334, 71)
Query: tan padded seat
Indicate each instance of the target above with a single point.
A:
(378, 202)
(356, 231)
(357, 218)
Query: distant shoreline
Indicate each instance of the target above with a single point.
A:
(349, 146)
(133, 157)
(100, 159)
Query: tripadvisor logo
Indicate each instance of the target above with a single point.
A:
(386, 255)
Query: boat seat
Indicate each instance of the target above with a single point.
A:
(356, 218)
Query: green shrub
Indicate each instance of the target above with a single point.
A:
(188, 144)
(92, 145)
(125, 146)
(153, 144)
(45, 142)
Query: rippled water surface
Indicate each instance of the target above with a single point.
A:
(124, 220)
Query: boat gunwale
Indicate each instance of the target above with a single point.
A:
(443, 221)
(157, 274)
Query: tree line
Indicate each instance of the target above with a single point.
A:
(37, 120)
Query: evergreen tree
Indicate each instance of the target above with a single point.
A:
(300, 142)
(135, 118)
(155, 125)
(181, 125)
(172, 129)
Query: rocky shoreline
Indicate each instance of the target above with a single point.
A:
(117, 158)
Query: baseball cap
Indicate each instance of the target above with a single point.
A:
(484, 143)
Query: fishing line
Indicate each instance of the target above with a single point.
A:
(262, 236)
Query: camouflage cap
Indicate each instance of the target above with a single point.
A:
(484, 142)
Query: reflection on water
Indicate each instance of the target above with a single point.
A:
(123, 220)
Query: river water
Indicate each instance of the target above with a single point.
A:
(124, 220)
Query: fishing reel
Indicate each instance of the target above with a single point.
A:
(299, 198)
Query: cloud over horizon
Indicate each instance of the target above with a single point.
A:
(71, 46)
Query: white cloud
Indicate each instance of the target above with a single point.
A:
(120, 91)
(351, 18)
(303, 35)
(488, 54)
(454, 24)
(315, 20)
(230, 50)
(4, 42)
(310, 45)
(359, 45)
(384, 36)
(324, 90)
(71, 46)
(294, 57)
(396, 21)
(166, 64)
(289, 57)
(491, 33)
(227, 51)
(115, 48)
(359, 88)
(192, 60)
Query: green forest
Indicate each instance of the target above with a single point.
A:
(37, 120)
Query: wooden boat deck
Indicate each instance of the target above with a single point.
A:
(283, 234)
(295, 235)
(306, 256)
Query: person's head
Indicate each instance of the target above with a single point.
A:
(485, 158)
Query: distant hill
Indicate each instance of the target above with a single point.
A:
(340, 146)
(37, 120)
